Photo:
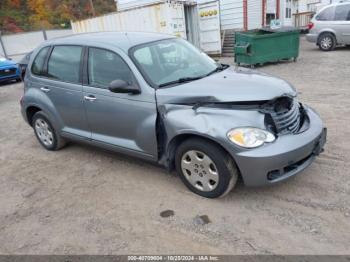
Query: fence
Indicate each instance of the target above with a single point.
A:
(17, 45)
(301, 20)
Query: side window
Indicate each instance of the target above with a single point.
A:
(342, 13)
(327, 14)
(105, 66)
(64, 63)
(38, 64)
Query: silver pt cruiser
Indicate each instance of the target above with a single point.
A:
(157, 97)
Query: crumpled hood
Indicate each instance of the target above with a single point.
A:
(230, 85)
(4, 62)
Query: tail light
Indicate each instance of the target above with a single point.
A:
(310, 25)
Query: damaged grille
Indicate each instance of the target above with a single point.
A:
(286, 115)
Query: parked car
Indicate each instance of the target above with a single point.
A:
(331, 27)
(9, 70)
(23, 63)
(157, 97)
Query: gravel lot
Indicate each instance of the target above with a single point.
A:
(82, 200)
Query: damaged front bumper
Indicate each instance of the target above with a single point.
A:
(286, 157)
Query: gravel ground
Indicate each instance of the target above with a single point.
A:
(83, 200)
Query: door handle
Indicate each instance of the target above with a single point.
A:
(90, 98)
(45, 89)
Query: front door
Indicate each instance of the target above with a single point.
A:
(125, 122)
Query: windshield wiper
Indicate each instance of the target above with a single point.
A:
(219, 68)
(181, 80)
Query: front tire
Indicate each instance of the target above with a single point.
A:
(327, 42)
(45, 133)
(205, 168)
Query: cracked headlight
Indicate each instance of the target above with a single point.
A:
(250, 137)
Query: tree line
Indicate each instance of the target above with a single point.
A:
(27, 15)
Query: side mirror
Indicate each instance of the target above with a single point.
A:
(120, 86)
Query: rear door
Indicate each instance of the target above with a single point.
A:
(123, 122)
(60, 82)
(342, 23)
(209, 26)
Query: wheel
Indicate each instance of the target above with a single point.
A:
(45, 133)
(18, 80)
(327, 42)
(205, 168)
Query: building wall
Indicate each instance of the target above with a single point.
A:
(254, 14)
(231, 14)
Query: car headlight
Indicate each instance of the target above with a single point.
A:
(250, 137)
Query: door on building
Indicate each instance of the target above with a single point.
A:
(192, 26)
(209, 26)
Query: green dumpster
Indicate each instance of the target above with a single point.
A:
(266, 45)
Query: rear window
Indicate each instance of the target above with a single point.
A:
(327, 14)
(342, 13)
(64, 63)
(38, 64)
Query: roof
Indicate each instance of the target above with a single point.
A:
(122, 40)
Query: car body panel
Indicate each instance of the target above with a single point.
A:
(146, 125)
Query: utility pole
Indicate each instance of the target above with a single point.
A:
(92, 8)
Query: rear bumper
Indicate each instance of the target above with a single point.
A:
(286, 157)
(311, 38)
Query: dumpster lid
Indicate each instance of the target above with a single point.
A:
(281, 29)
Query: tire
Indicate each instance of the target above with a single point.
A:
(45, 133)
(19, 80)
(205, 168)
(327, 42)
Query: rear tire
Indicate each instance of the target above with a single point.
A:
(205, 168)
(327, 42)
(45, 133)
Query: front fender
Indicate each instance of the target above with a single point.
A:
(207, 122)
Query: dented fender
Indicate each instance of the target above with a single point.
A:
(212, 123)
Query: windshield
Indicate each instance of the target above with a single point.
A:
(172, 61)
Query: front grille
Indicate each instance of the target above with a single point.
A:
(288, 120)
(7, 72)
(285, 115)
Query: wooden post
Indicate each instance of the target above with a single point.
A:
(2, 45)
(245, 14)
(263, 22)
(278, 9)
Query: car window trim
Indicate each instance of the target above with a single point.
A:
(46, 65)
(86, 81)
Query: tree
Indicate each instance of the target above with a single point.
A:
(26, 15)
